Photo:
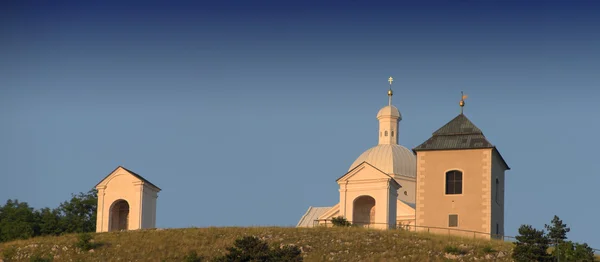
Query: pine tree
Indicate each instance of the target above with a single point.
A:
(531, 245)
(557, 231)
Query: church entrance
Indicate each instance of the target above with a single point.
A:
(364, 211)
(119, 215)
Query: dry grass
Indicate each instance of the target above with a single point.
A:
(318, 244)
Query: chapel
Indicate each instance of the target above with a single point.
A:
(126, 201)
(451, 183)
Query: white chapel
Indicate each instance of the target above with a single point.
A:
(454, 180)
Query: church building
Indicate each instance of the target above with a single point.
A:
(451, 183)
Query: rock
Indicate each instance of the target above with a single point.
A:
(91, 251)
(501, 254)
(451, 256)
(489, 257)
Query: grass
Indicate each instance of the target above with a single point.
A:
(317, 244)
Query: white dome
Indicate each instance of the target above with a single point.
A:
(389, 111)
(392, 159)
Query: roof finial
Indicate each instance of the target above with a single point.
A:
(390, 93)
(462, 101)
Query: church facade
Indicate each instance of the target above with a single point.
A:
(453, 182)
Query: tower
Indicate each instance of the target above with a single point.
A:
(460, 178)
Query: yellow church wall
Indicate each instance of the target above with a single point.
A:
(473, 206)
(140, 196)
(120, 186)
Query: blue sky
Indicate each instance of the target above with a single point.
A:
(245, 113)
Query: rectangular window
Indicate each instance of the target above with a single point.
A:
(453, 221)
(453, 182)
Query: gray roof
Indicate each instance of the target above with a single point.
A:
(311, 215)
(459, 133)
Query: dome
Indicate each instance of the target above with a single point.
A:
(389, 111)
(392, 159)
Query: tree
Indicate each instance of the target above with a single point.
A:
(570, 251)
(251, 248)
(17, 221)
(79, 214)
(49, 221)
(531, 245)
(557, 231)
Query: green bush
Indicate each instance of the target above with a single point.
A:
(84, 242)
(488, 250)
(192, 256)
(39, 258)
(251, 248)
(454, 250)
(9, 253)
(340, 222)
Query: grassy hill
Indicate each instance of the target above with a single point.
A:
(319, 244)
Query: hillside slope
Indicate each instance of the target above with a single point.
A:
(320, 244)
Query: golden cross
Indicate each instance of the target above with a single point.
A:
(390, 80)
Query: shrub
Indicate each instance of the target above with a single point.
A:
(84, 242)
(340, 222)
(251, 248)
(9, 253)
(488, 250)
(454, 250)
(192, 256)
(39, 258)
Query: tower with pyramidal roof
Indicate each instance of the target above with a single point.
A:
(460, 180)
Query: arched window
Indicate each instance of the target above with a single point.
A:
(392, 132)
(497, 187)
(385, 133)
(454, 182)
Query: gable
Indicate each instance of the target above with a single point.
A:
(366, 171)
(120, 170)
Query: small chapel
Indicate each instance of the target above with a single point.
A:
(126, 201)
(451, 183)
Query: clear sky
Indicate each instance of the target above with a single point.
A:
(245, 113)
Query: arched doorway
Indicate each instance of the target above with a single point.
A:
(119, 215)
(364, 211)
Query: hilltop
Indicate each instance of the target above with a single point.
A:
(317, 244)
